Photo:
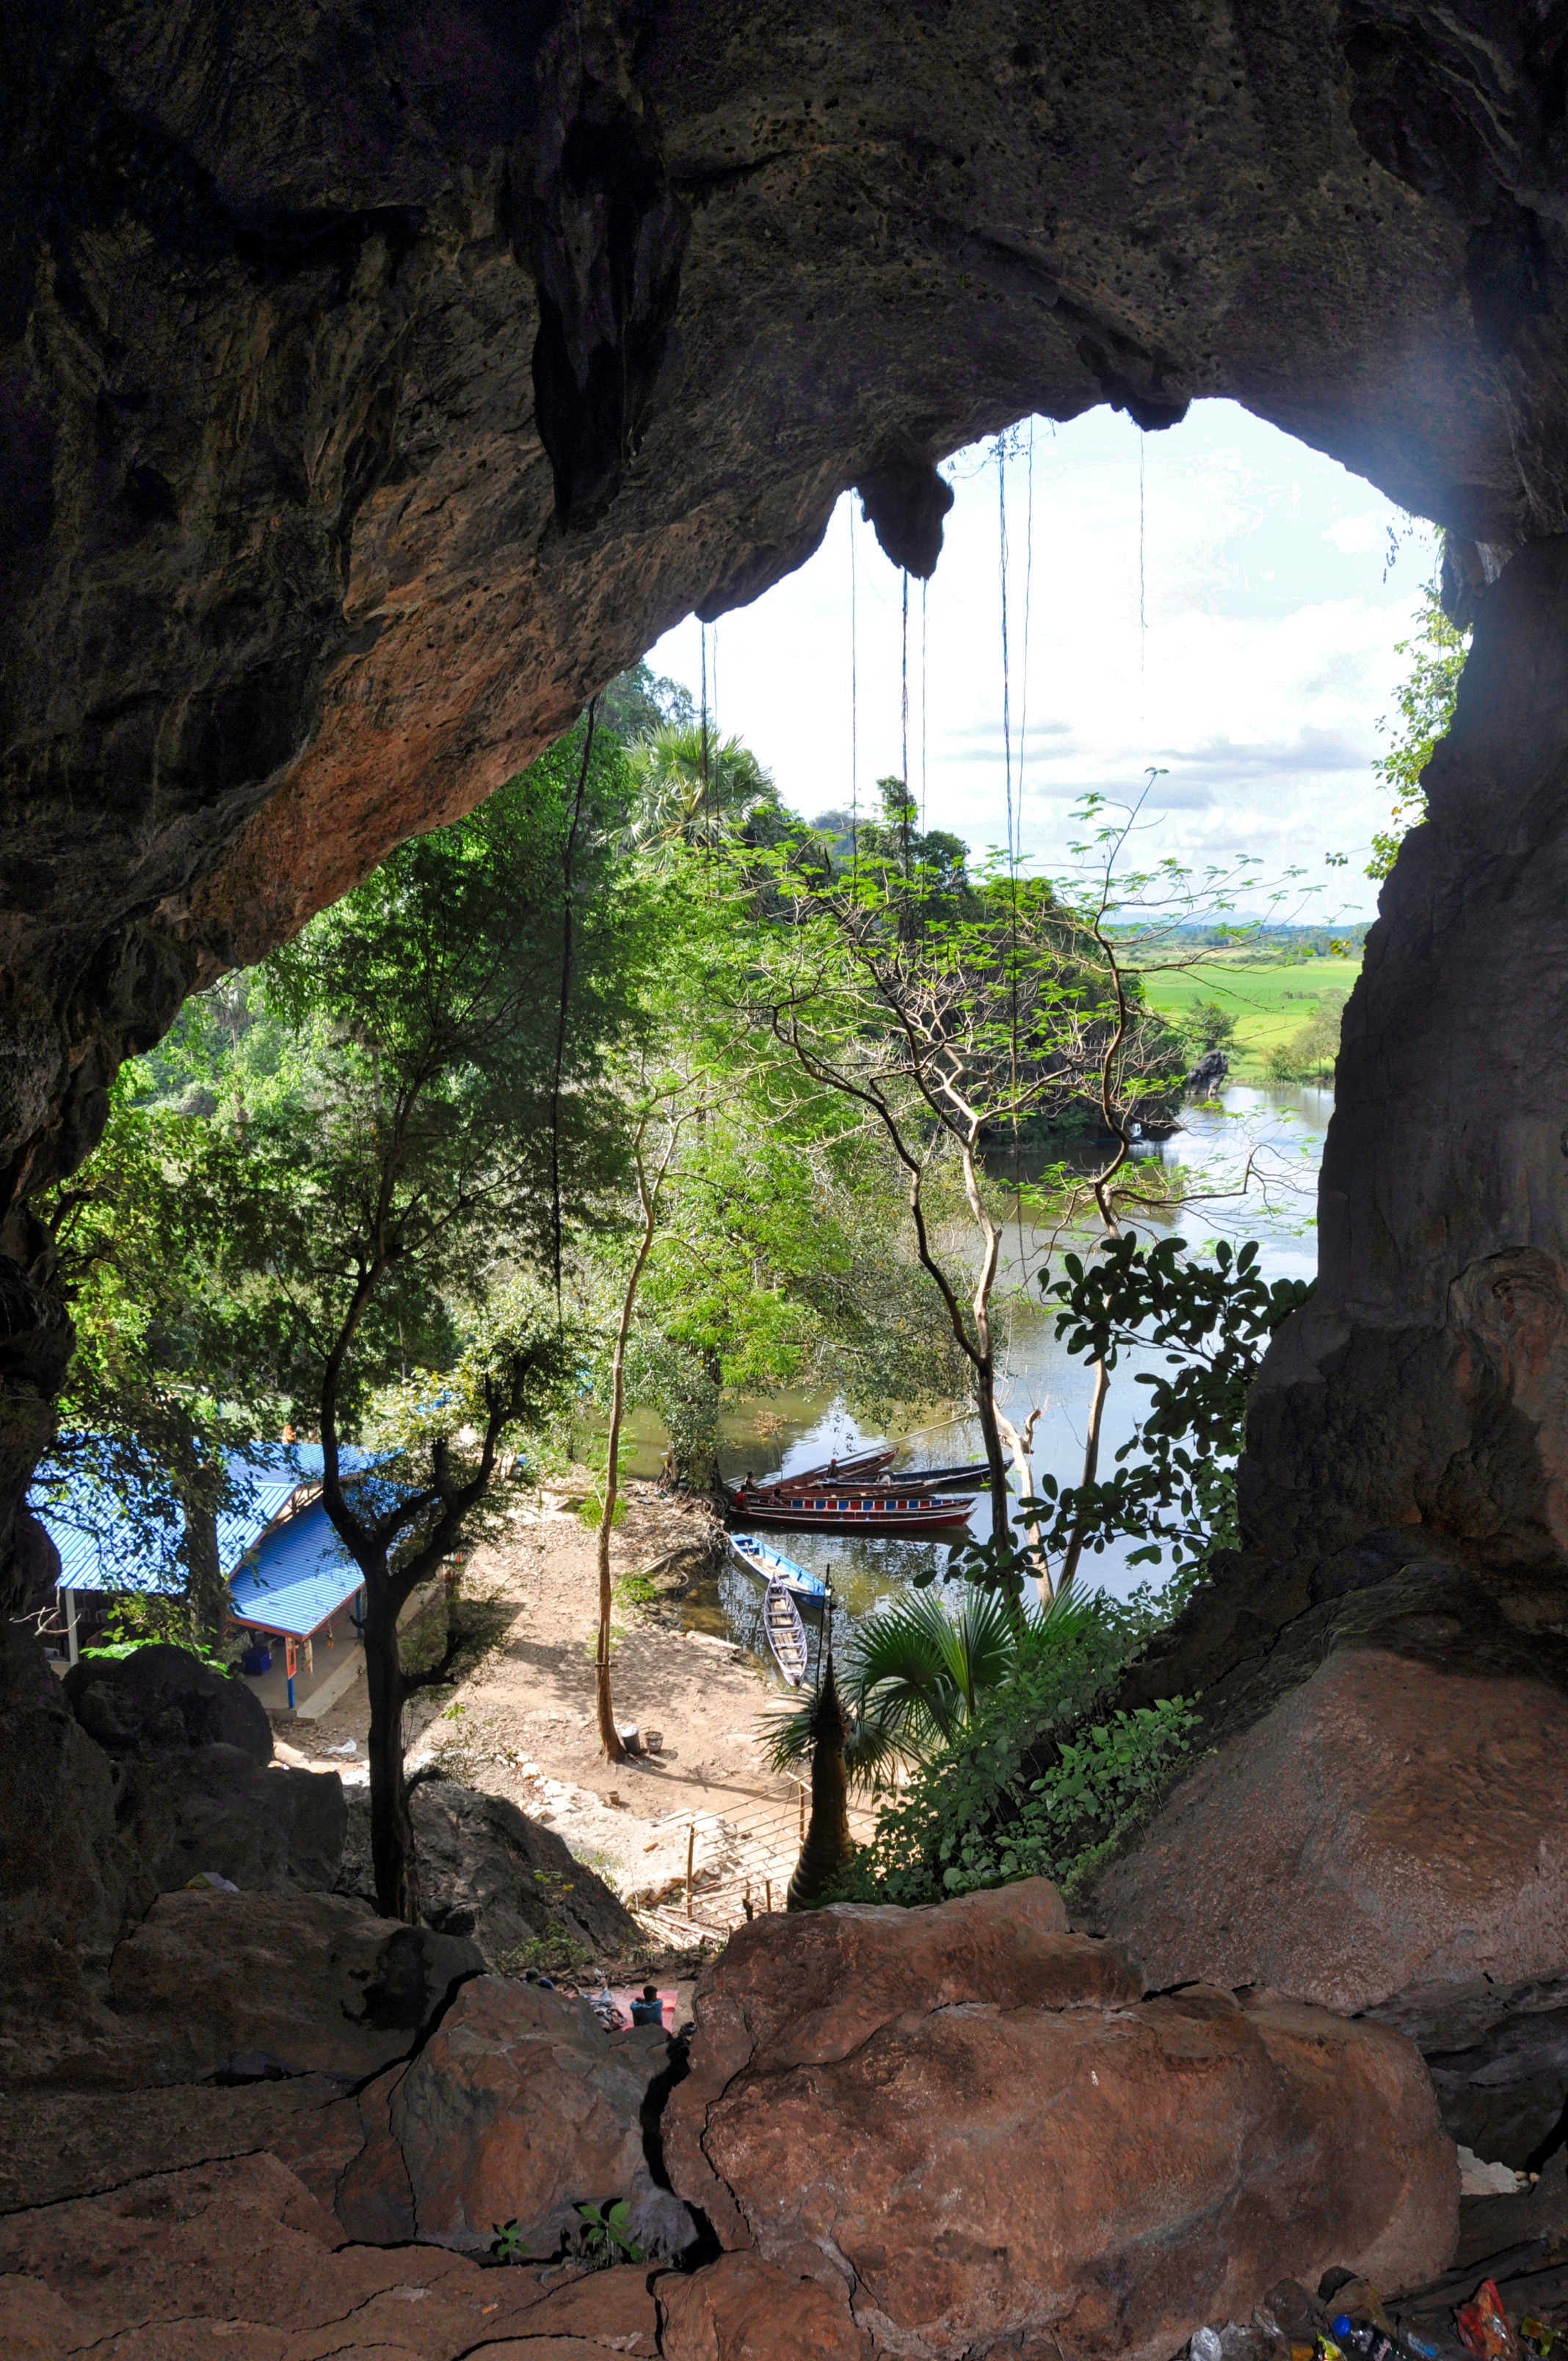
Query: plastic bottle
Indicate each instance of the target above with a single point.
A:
(1205, 2345)
(1359, 2337)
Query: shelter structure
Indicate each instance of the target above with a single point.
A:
(290, 1578)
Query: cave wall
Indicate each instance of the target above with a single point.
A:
(377, 380)
(1427, 1381)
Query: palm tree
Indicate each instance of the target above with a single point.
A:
(917, 1671)
(828, 1843)
(693, 788)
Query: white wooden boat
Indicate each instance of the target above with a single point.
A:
(786, 1633)
(772, 1565)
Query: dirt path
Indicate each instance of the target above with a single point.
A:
(522, 1723)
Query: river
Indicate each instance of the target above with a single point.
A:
(1271, 1138)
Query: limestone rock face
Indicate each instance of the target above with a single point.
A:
(921, 2176)
(343, 462)
(1425, 1382)
(741, 2309)
(268, 1831)
(1389, 1824)
(489, 1873)
(313, 1983)
(518, 2107)
(63, 1875)
(161, 1699)
(237, 2257)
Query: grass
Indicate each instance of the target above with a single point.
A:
(1270, 1004)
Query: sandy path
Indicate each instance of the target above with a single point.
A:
(522, 1723)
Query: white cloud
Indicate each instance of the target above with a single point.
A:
(1244, 644)
(1357, 536)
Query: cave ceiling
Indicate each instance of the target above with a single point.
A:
(377, 380)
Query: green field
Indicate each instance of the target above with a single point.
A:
(1269, 1004)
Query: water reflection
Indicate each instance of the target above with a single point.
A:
(1270, 1141)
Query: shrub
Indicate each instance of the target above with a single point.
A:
(982, 1813)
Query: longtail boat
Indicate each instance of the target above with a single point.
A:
(853, 1508)
(868, 1474)
(864, 1467)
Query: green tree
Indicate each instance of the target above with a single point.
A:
(639, 702)
(1210, 1026)
(440, 1119)
(693, 788)
(1437, 651)
(917, 1672)
(144, 1457)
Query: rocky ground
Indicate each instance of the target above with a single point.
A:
(518, 1720)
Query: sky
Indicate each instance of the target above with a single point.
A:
(1241, 645)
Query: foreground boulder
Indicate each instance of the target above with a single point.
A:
(1392, 1823)
(238, 2258)
(272, 1831)
(518, 2108)
(162, 1698)
(489, 1872)
(1012, 2145)
(245, 1984)
(741, 2309)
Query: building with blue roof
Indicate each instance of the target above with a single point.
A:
(288, 1572)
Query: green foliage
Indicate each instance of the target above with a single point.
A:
(605, 2237)
(916, 1674)
(1174, 1487)
(1437, 653)
(693, 788)
(952, 1829)
(639, 702)
(1310, 1056)
(555, 1953)
(1210, 1026)
(138, 1619)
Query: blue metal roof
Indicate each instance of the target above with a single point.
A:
(297, 1576)
(103, 1547)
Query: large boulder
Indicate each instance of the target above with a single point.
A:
(1024, 2150)
(245, 1984)
(1390, 1822)
(519, 2107)
(162, 1698)
(238, 2258)
(64, 1875)
(741, 2309)
(210, 1807)
(489, 1872)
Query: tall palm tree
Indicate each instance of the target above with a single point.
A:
(917, 1672)
(693, 788)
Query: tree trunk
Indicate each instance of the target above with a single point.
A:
(1091, 1469)
(206, 1592)
(392, 1854)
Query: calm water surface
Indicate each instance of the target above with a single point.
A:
(1277, 1132)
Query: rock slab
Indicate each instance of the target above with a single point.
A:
(308, 1982)
(1026, 2152)
(237, 2258)
(488, 1871)
(519, 2107)
(1390, 1824)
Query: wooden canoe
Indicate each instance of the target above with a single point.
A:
(773, 1567)
(786, 1633)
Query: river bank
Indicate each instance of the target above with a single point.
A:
(518, 1720)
